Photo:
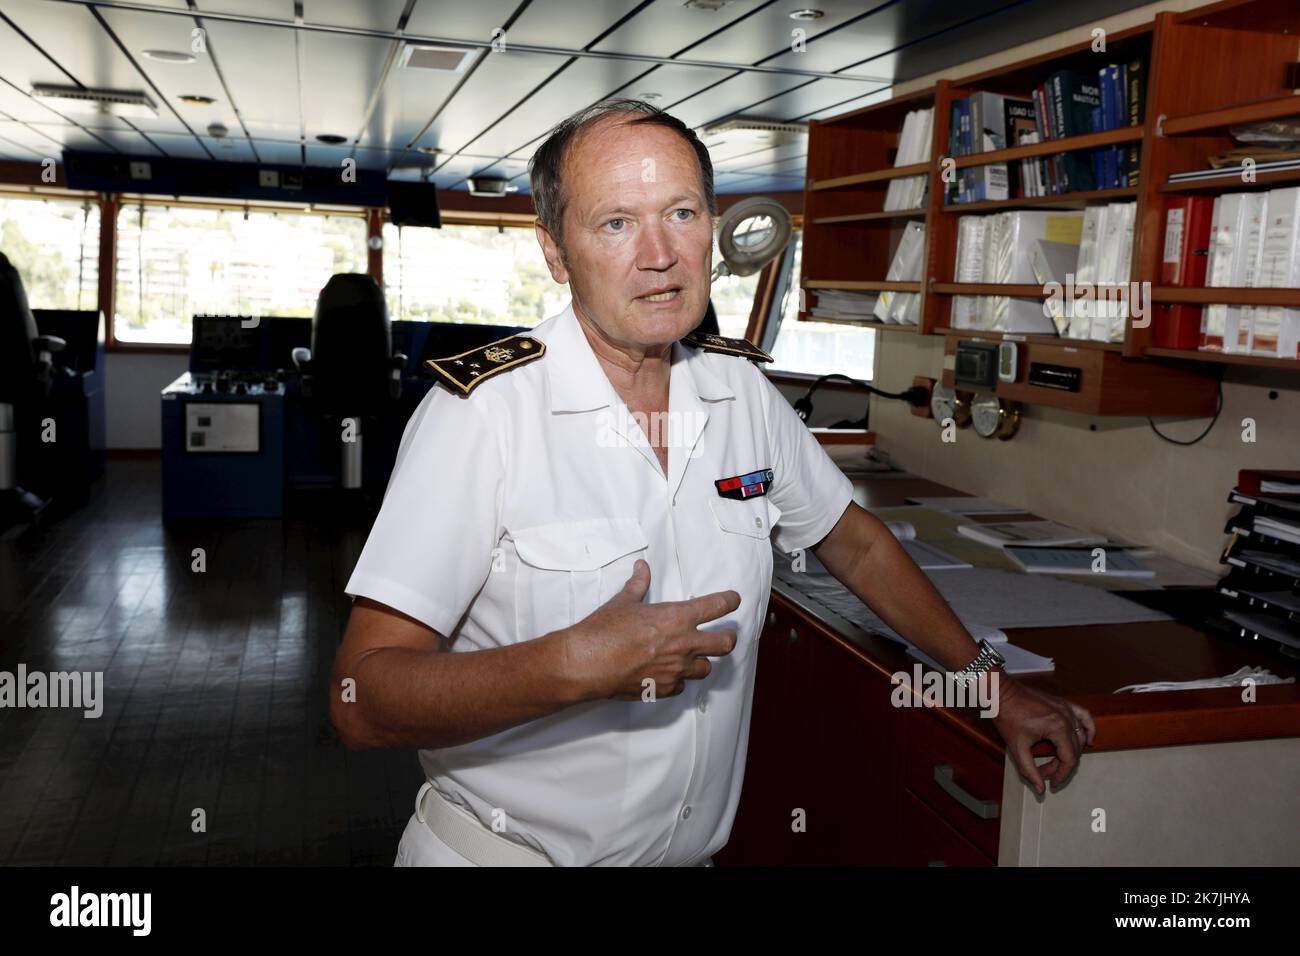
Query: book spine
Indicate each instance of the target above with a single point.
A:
(1135, 83)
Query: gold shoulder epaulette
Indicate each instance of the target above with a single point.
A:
(719, 343)
(463, 372)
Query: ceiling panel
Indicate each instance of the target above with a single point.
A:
(732, 96)
(666, 27)
(567, 24)
(837, 109)
(338, 74)
(889, 28)
(464, 21)
(728, 149)
(16, 104)
(581, 84)
(278, 153)
(31, 141)
(367, 15)
(501, 81)
(261, 72)
(230, 149)
(770, 31)
(181, 146)
(409, 98)
(333, 156)
(74, 137)
(150, 31)
(267, 9)
(1013, 25)
(817, 95)
(72, 36)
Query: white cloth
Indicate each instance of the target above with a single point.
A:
(511, 513)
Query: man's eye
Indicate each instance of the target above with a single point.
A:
(689, 214)
(615, 224)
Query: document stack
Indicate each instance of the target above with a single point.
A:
(1262, 587)
(904, 308)
(1025, 247)
(913, 147)
(1253, 244)
(841, 305)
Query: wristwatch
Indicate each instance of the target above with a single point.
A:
(987, 659)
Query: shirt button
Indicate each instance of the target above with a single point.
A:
(686, 813)
(703, 705)
(758, 522)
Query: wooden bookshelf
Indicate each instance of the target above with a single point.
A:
(849, 285)
(1227, 358)
(1074, 200)
(876, 176)
(871, 216)
(1214, 66)
(1033, 338)
(1051, 147)
(1287, 298)
(1219, 120)
(1206, 70)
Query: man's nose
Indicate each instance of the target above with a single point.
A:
(655, 248)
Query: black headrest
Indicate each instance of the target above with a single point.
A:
(17, 329)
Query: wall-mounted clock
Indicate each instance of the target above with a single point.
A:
(946, 403)
(994, 417)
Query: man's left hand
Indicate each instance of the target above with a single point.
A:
(1026, 716)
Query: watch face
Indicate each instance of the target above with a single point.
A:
(986, 411)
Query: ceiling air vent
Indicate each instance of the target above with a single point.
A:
(130, 103)
(441, 59)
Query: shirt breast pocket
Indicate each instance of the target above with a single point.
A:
(567, 569)
(744, 556)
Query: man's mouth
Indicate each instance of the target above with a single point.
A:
(664, 295)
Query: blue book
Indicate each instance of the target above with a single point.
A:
(1099, 154)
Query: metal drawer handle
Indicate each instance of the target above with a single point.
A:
(984, 809)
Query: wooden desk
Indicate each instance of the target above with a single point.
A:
(838, 775)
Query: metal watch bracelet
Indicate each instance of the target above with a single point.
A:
(984, 661)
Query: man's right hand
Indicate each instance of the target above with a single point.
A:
(611, 652)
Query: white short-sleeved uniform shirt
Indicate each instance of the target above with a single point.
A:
(521, 508)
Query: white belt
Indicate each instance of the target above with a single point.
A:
(466, 834)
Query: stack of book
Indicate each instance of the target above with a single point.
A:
(909, 192)
(1105, 261)
(841, 305)
(1037, 248)
(904, 308)
(1068, 103)
(1262, 586)
(1235, 240)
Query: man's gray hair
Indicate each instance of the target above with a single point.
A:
(546, 168)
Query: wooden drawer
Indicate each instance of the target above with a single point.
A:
(931, 841)
(970, 775)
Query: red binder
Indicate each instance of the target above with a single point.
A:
(1248, 481)
(1187, 240)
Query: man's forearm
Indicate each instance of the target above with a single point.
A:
(431, 700)
(863, 554)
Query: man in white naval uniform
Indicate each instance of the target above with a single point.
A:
(560, 601)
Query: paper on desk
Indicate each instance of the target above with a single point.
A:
(1259, 675)
(1018, 660)
(968, 506)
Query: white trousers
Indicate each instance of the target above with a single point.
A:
(420, 847)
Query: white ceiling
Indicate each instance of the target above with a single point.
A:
(282, 72)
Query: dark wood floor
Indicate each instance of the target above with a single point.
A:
(214, 690)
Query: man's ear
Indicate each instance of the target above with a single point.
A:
(551, 250)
